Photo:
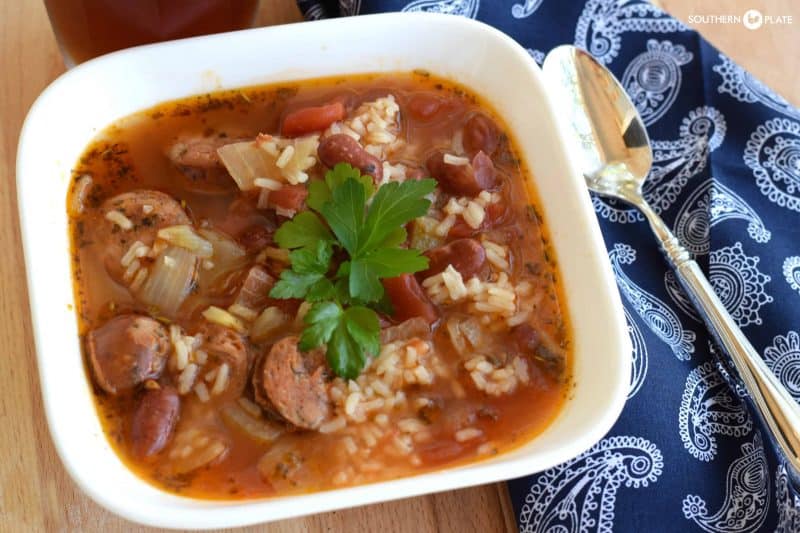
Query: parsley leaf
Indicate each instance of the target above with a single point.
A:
(344, 354)
(391, 262)
(308, 260)
(343, 315)
(305, 229)
(345, 213)
(318, 194)
(363, 282)
(364, 327)
(343, 172)
(382, 263)
(394, 205)
(350, 334)
(306, 278)
(322, 319)
(319, 191)
(294, 285)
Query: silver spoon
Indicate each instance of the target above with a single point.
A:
(613, 152)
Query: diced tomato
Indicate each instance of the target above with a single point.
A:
(311, 119)
(408, 299)
(291, 197)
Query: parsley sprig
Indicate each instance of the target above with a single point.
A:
(365, 227)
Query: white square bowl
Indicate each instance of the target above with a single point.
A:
(86, 99)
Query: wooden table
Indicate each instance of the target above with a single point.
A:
(35, 492)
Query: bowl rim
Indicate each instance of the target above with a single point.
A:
(214, 514)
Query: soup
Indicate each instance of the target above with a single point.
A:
(292, 288)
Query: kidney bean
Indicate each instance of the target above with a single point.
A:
(423, 106)
(460, 230)
(341, 148)
(154, 421)
(126, 351)
(408, 299)
(290, 197)
(481, 135)
(466, 255)
(311, 119)
(463, 180)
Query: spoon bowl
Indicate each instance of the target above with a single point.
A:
(613, 149)
(613, 153)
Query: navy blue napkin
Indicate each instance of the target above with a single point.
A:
(686, 454)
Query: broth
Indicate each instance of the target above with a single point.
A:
(445, 414)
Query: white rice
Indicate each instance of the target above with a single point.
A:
(454, 283)
(243, 312)
(474, 215)
(202, 392)
(285, 156)
(268, 183)
(185, 237)
(186, 378)
(497, 380)
(119, 218)
(466, 434)
(139, 279)
(445, 226)
(130, 272)
(223, 318)
(496, 254)
(333, 425)
(455, 160)
(136, 250)
(82, 186)
(221, 380)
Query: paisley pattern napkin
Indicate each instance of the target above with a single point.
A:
(686, 454)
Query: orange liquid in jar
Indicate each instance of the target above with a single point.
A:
(89, 28)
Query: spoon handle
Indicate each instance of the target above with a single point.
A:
(775, 405)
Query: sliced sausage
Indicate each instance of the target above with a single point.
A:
(259, 392)
(148, 211)
(196, 158)
(295, 384)
(125, 351)
(341, 148)
(311, 119)
(225, 346)
(408, 299)
(481, 135)
(154, 420)
(254, 293)
(196, 151)
(289, 197)
(463, 180)
(466, 255)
